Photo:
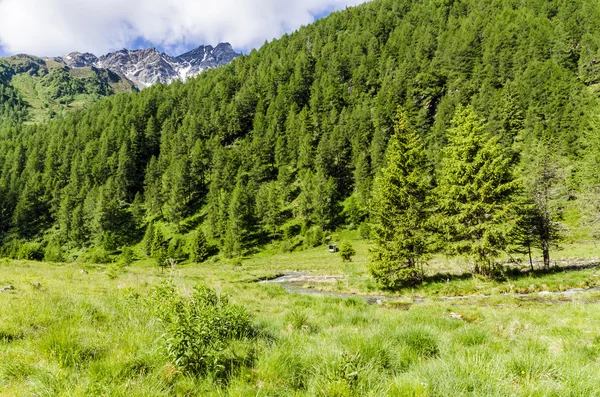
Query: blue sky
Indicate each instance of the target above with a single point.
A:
(56, 27)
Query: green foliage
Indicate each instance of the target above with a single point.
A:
(296, 131)
(199, 249)
(97, 255)
(54, 251)
(127, 256)
(31, 251)
(201, 330)
(475, 193)
(364, 230)
(148, 239)
(177, 248)
(545, 189)
(159, 250)
(38, 90)
(347, 251)
(313, 236)
(400, 210)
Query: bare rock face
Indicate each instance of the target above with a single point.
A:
(79, 60)
(148, 67)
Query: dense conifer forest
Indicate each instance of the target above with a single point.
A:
(285, 143)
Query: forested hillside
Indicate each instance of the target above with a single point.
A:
(284, 143)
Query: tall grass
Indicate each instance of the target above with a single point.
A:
(93, 335)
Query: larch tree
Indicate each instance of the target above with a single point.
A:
(545, 185)
(159, 249)
(400, 210)
(475, 193)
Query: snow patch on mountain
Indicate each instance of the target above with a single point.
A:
(149, 66)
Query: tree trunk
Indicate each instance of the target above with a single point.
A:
(546, 252)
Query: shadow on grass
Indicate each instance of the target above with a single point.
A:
(506, 272)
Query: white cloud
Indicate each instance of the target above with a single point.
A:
(55, 27)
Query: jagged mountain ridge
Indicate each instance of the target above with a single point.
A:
(147, 67)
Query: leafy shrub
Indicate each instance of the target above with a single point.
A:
(113, 270)
(53, 252)
(347, 251)
(314, 237)
(31, 251)
(202, 331)
(10, 249)
(127, 256)
(237, 262)
(97, 255)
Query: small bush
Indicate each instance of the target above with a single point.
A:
(113, 270)
(202, 331)
(127, 256)
(97, 255)
(237, 262)
(347, 251)
(31, 251)
(53, 252)
(314, 237)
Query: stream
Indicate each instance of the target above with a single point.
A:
(293, 282)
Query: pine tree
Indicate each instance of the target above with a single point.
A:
(347, 251)
(160, 248)
(148, 240)
(399, 211)
(198, 247)
(475, 193)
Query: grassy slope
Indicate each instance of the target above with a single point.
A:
(29, 77)
(88, 334)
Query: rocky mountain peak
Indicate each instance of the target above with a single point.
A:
(79, 60)
(146, 67)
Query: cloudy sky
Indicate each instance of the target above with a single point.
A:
(56, 27)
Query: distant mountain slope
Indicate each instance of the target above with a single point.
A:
(52, 86)
(49, 88)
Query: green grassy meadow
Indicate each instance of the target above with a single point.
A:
(64, 332)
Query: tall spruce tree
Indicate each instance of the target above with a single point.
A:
(475, 193)
(400, 211)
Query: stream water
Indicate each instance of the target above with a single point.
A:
(294, 282)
